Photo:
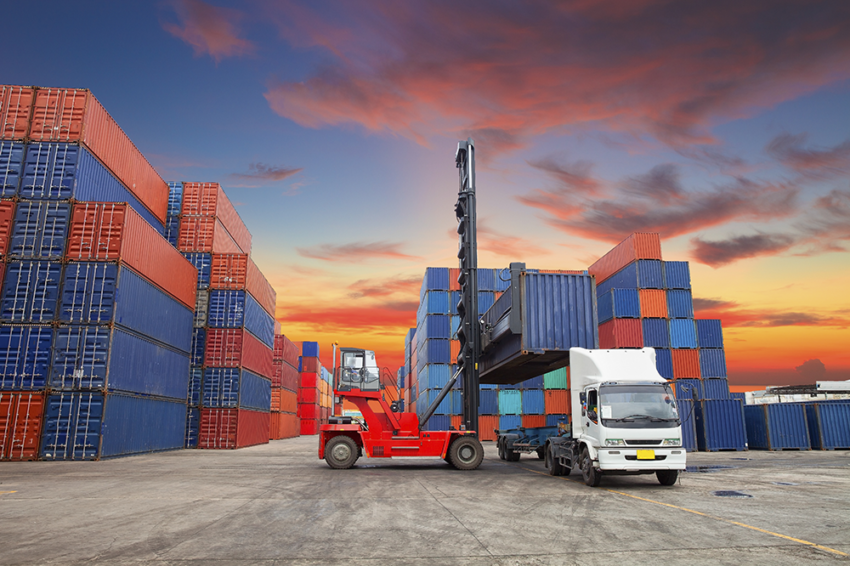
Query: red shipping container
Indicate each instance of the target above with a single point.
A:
(209, 199)
(204, 234)
(308, 395)
(487, 425)
(288, 401)
(533, 421)
(284, 425)
(454, 273)
(7, 214)
(229, 347)
(310, 365)
(286, 350)
(70, 115)
(685, 364)
(20, 425)
(557, 402)
(285, 376)
(232, 428)
(310, 380)
(637, 246)
(309, 411)
(106, 231)
(653, 303)
(309, 427)
(238, 272)
(621, 333)
(275, 404)
(15, 111)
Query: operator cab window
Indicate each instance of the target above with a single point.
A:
(593, 405)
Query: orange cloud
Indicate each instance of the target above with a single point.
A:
(385, 317)
(209, 29)
(385, 287)
(355, 252)
(733, 315)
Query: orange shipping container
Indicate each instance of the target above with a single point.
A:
(20, 425)
(284, 425)
(457, 421)
(487, 425)
(288, 401)
(636, 246)
(209, 199)
(533, 421)
(205, 234)
(653, 303)
(106, 231)
(685, 363)
(238, 271)
(454, 273)
(15, 111)
(557, 402)
(7, 214)
(621, 333)
(70, 115)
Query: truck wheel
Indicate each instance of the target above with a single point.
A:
(501, 450)
(512, 455)
(466, 453)
(540, 453)
(667, 477)
(591, 475)
(341, 452)
(555, 467)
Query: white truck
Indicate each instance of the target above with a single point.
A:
(625, 420)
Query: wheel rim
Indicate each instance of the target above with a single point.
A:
(466, 453)
(585, 465)
(341, 452)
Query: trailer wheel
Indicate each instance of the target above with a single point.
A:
(466, 453)
(540, 453)
(591, 475)
(512, 455)
(341, 452)
(667, 477)
(501, 444)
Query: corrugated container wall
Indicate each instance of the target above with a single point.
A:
(209, 199)
(636, 246)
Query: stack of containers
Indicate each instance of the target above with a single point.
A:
(433, 349)
(234, 319)
(172, 220)
(643, 301)
(284, 405)
(89, 364)
(315, 393)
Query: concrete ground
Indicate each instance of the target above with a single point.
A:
(279, 504)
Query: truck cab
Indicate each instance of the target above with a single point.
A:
(625, 419)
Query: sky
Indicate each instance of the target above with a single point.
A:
(724, 126)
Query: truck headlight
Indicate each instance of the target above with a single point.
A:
(614, 442)
(671, 442)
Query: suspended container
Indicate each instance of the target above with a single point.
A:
(777, 426)
(618, 303)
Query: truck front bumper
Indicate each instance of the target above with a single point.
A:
(630, 459)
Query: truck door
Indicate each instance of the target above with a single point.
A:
(591, 414)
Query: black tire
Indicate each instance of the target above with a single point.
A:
(667, 477)
(512, 455)
(502, 449)
(341, 452)
(466, 453)
(591, 475)
(541, 454)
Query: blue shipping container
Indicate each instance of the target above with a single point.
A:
(428, 396)
(677, 275)
(485, 301)
(310, 349)
(434, 302)
(196, 387)
(199, 346)
(510, 422)
(664, 362)
(434, 376)
(618, 303)
(437, 422)
(203, 263)
(11, 166)
(114, 359)
(455, 324)
(434, 326)
(720, 425)
(688, 419)
(712, 363)
(193, 425)
(172, 230)
(175, 198)
(502, 279)
(234, 388)
(715, 388)
(238, 309)
(486, 280)
(435, 279)
(829, 425)
(40, 230)
(533, 383)
(25, 357)
(108, 293)
(510, 402)
(555, 420)
(685, 388)
(533, 402)
(656, 333)
(488, 402)
(680, 304)
(777, 426)
(64, 171)
(683, 333)
(709, 333)
(30, 291)
(454, 299)
(88, 426)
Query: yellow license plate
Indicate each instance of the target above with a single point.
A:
(646, 454)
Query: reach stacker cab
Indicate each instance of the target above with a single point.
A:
(384, 432)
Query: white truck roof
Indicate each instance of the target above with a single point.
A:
(597, 366)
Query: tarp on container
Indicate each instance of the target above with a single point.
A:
(238, 309)
(108, 293)
(88, 426)
(829, 425)
(20, 425)
(209, 199)
(234, 388)
(720, 425)
(102, 358)
(25, 357)
(30, 291)
(40, 230)
(777, 426)
(11, 167)
(618, 303)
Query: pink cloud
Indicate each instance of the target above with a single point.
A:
(356, 252)
(209, 29)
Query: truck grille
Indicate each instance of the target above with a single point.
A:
(643, 442)
(657, 458)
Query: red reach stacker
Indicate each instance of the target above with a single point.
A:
(384, 432)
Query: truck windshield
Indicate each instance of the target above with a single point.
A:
(638, 406)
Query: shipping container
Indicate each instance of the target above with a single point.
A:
(103, 358)
(25, 353)
(202, 309)
(685, 364)
(553, 313)
(310, 427)
(193, 424)
(488, 402)
(426, 397)
(636, 246)
(115, 232)
(556, 379)
(15, 111)
(89, 426)
(233, 428)
(621, 333)
(311, 365)
(199, 344)
(618, 303)
(238, 309)
(238, 348)
(715, 388)
(720, 425)
(486, 279)
(485, 301)
(829, 425)
(20, 425)
(435, 279)
(712, 363)
(653, 303)
(285, 349)
(683, 333)
(286, 376)
(656, 333)
(709, 334)
(288, 400)
(175, 198)
(777, 426)
(108, 293)
(40, 230)
(454, 273)
(30, 291)
(642, 274)
(434, 351)
(203, 263)
(434, 302)
(437, 422)
(209, 199)
(284, 425)
(533, 402)
(510, 402)
(688, 420)
(239, 272)
(557, 402)
(7, 218)
(510, 422)
(64, 171)
(556, 420)
(196, 386)
(434, 376)
(172, 231)
(664, 362)
(234, 388)
(677, 275)
(689, 388)
(434, 326)
(310, 349)
(533, 421)
(680, 304)
(11, 167)
(533, 383)
(205, 234)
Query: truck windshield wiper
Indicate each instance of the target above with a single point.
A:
(650, 417)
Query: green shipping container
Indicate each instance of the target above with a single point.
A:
(555, 379)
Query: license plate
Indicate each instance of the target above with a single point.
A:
(646, 454)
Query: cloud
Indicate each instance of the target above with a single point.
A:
(812, 370)
(209, 29)
(504, 245)
(733, 314)
(571, 176)
(343, 318)
(385, 287)
(518, 70)
(356, 252)
(718, 254)
(789, 150)
(259, 173)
